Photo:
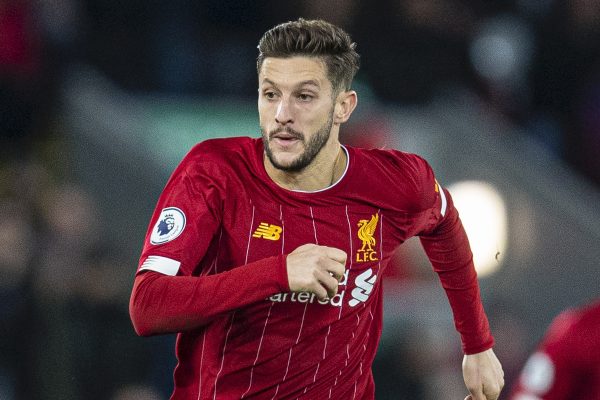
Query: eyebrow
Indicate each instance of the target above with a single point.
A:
(310, 82)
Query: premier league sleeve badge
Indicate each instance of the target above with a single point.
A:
(169, 225)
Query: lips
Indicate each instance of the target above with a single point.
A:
(285, 138)
(284, 143)
(286, 135)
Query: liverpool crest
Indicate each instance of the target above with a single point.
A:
(366, 232)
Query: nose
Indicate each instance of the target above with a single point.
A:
(283, 115)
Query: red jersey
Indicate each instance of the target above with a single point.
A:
(213, 269)
(566, 364)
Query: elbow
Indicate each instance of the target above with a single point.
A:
(138, 319)
(140, 327)
(141, 313)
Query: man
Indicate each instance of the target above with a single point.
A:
(269, 273)
(566, 364)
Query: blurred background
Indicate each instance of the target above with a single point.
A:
(99, 100)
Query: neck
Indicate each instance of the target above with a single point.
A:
(326, 169)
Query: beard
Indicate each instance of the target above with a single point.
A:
(311, 149)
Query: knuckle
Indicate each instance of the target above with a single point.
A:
(472, 387)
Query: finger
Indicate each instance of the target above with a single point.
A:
(469, 397)
(477, 394)
(492, 391)
(304, 247)
(320, 292)
(336, 254)
(337, 270)
(329, 283)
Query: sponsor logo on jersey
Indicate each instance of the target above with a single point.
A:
(364, 286)
(170, 224)
(366, 231)
(306, 297)
(365, 282)
(268, 231)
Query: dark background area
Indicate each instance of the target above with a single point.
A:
(100, 99)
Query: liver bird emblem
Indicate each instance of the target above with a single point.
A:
(366, 230)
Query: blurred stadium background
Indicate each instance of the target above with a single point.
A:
(99, 100)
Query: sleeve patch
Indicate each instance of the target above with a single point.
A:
(443, 198)
(538, 374)
(169, 226)
(160, 264)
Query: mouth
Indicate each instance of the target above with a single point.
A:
(285, 139)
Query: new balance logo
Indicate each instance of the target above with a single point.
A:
(268, 231)
(364, 286)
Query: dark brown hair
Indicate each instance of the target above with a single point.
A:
(313, 38)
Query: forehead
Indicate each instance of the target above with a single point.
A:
(293, 71)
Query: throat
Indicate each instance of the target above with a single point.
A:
(317, 176)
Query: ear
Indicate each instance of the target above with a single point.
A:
(345, 103)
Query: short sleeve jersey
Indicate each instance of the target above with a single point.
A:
(220, 212)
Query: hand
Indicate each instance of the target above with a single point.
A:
(483, 375)
(316, 269)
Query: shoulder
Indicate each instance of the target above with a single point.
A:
(217, 160)
(220, 154)
(585, 318)
(410, 175)
(575, 322)
(220, 149)
(407, 163)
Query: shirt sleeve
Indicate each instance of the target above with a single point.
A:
(446, 244)
(169, 293)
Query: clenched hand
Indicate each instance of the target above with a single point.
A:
(483, 375)
(316, 269)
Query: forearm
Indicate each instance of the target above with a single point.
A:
(167, 304)
(449, 252)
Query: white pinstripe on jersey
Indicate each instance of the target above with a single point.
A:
(301, 323)
(216, 260)
(268, 313)
(364, 304)
(329, 327)
(215, 266)
(233, 315)
(201, 360)
(349, 269)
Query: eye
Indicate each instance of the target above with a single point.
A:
(305, 97)
(270, 95)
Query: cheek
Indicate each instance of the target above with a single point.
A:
(316, 120)
(265, 112)
(262, 119)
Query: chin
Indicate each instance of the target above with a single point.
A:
(287, 163)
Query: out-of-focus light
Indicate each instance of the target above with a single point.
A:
(483, 215)
(501, 51)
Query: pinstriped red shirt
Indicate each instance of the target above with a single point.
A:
(213, 270)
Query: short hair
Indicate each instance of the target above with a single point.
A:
(313, 38)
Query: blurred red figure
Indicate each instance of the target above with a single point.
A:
(566, 364)
(18, 43)
(20, 70)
